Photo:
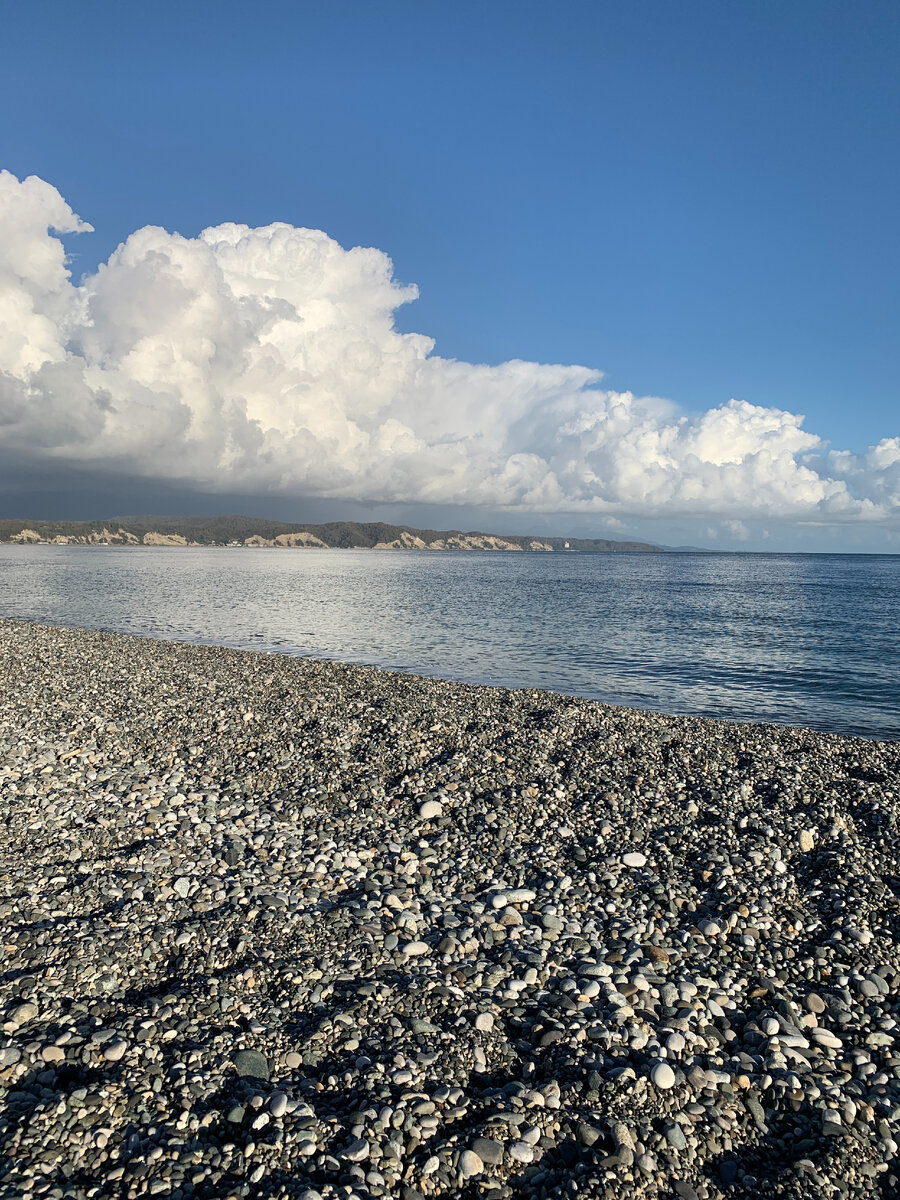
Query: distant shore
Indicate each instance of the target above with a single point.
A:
(254, 531)
(280, 927)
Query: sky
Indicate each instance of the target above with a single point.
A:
(619, 270)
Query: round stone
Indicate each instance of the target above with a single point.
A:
(430, 810)
(634, 858)
(470, 1164)
(357, 1151)
(663, 1076)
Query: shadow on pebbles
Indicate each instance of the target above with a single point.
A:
(281, 928)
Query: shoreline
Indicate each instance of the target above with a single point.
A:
(283, 927)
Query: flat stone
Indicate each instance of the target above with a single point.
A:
(251, 1064)
(513, 896)
(674, 1135)
(587, 1134)
(684, 1190)
(23, 1013)
(634, 858)
(488, 1150)
(414, 949)
(621, 1135)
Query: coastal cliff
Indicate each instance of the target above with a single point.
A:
(258, 532)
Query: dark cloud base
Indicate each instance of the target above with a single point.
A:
(30, 490)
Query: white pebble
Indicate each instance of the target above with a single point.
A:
(411, 949)
(663, 1076)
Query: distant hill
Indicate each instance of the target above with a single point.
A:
(257, 531)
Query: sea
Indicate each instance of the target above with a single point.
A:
(809, 640)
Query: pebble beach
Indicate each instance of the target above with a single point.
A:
(275, 927)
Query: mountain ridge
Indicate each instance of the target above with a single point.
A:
(234, 530)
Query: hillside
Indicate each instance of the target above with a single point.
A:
(258, 531)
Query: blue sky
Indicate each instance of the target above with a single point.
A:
(698, 199)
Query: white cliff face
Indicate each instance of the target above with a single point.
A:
(302, 541)
(461, 541)
(236, 532)
(164, 539)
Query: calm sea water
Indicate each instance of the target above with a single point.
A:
(804, 640)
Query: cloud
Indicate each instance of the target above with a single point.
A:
(267, 360)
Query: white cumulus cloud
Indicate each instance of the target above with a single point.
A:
(267, 360)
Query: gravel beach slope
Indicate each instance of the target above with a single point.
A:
(281, 928)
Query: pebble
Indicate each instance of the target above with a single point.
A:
(663, 1076)
(357, 1151)
(513, 896)
(413, 949)
(470, 1164)
(21, 1014)
(431, 1001)
(634, 859)
(252, 1064)
(489, 1151)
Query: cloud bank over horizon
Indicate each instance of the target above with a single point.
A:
(266, 361)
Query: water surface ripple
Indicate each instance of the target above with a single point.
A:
(798, 639)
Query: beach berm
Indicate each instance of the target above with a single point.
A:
(276, 927)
